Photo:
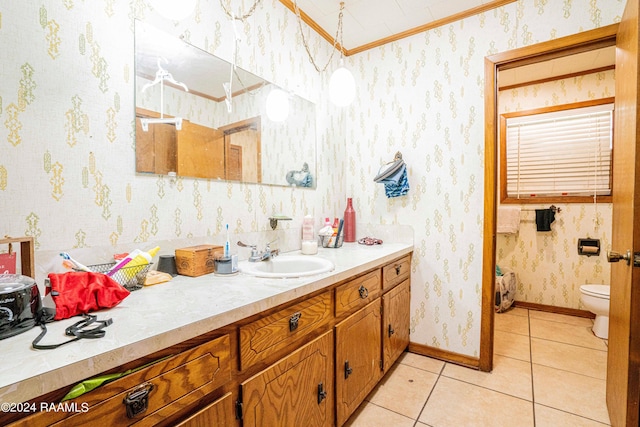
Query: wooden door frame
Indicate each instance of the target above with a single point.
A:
(576, 43)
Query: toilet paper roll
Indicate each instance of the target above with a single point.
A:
(589, 249)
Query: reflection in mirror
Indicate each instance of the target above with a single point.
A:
(217, 138)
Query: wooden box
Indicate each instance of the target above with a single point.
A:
(197, 260)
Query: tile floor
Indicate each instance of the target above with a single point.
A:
(541, 360)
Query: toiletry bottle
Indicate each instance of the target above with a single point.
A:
(307, 228)
(141, 259)
(349, 222)
(309, 245)
(336, 224)
(326, 232)
(127, 259)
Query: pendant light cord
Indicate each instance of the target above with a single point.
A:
(337, 37)
(231, 15)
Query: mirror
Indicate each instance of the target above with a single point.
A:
(186, 124)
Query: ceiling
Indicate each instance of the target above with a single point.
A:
(369, 23)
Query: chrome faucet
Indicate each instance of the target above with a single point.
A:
(256, 256)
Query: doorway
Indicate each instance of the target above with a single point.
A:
(563, 47)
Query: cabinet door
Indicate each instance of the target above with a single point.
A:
(217, 414)
(296, 391)
(358, 358)
(200, 151)
(395, 322)
(155, 148)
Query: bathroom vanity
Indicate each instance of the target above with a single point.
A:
(228, 351)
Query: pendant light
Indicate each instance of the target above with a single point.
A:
(342, 85)
(277, 105)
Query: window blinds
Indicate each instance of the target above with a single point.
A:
(563, 153)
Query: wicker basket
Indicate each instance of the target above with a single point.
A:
(330, 241)
(132, 278)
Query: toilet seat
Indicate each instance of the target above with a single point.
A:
(598, 291)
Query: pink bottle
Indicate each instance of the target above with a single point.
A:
(349, 222)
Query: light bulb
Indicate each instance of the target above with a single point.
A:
(342, 87)
(277, 105)
(174, 10)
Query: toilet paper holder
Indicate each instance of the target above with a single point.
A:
(589, 247)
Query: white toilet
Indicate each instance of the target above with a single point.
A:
(595, 298)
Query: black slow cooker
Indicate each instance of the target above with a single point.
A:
(19, 304)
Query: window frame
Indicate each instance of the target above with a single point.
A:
(554, 199)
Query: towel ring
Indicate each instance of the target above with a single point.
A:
(396, 163)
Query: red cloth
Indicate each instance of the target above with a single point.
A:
(81, 292)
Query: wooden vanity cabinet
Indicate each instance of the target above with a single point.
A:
(273, 333)
(149, 396)
(295, 391)
(358, 363)
(217, 414)
(395, 323)
(309, 362)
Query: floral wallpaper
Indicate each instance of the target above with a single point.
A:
(67, 125)
(547, 265)
(424, 96)
(67, 133)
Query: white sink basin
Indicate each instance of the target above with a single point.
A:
(285, 266)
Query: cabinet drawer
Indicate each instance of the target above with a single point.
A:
(357, 293)
(217, 414)
(173, 384)
(266, 336)
(396, 272)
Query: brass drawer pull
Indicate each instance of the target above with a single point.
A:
(364, 292)
(398, 268)
(322, 393)
(348, 370)
(137, 400)
(293, 321)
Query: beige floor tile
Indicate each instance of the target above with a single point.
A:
(569, 392)
(560, 318)
(455, 403)
(518, 311)
(421, 362)
(549, 417)
(570, 334)
(511, 323)
(511, 345)
(404, 390)
(370, 415)
(568, 357)
(509, 376)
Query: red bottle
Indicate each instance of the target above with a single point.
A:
(349, 222)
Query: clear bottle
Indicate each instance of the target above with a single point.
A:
(307, 228)
(349, 222)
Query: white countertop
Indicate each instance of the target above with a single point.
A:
(159, 316)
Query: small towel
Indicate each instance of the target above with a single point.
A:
(544, 218)
(508, 219)
(396, 183)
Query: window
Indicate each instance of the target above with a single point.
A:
(565, 153)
